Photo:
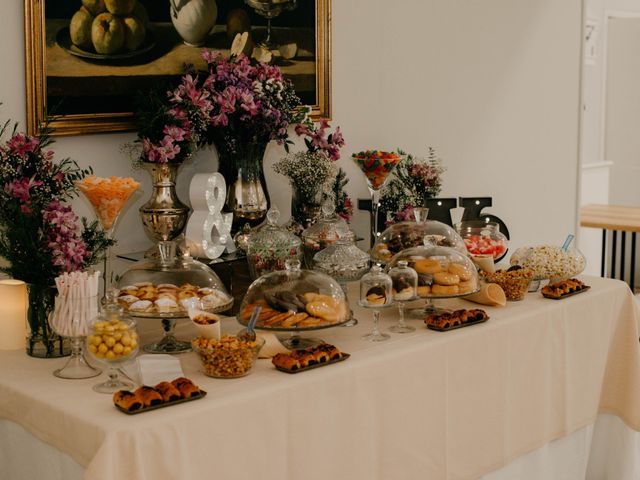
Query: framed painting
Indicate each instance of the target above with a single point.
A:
(86, 73)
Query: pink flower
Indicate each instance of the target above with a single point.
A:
(68, 250)
(175, 132)
(21, 144)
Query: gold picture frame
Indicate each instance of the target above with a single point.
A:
(83, 112)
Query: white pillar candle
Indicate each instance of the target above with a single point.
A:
(13, 314)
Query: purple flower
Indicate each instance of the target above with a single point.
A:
(21, 144)
(67, 248)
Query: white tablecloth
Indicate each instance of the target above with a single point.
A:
(454, 405)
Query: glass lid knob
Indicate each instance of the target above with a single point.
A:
(328, 208)
(292, 264)
(420, 214)
(273, 215)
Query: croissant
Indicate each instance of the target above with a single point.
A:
(186, 387)
(127, 400)
(168, 391)
(149, 396)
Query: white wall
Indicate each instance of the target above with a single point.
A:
(492, 85)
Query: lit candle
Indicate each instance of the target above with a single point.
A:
(13, 314)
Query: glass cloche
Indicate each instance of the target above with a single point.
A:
(167, 286)
(295, 300)
(442, 271)
(271, 246)
(323, 233)
(403, 235)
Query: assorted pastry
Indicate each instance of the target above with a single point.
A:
(455, 319)
(167, 298)
(438, 277)
(228, 357)
(290, 309)
(403, 289)
(298, 360)
(163, 394)
(564, 288)
(514, 281)
(377, 296)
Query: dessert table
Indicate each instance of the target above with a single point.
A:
(544, 384)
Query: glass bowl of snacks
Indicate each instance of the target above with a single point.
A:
(227, 357)
(404, 235)
(514, 281)
(550, 262)
(483, 238)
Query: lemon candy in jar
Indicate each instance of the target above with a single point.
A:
(112, 341)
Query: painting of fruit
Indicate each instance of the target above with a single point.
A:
(94, 57)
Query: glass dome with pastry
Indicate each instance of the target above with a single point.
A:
(443, 272)
(295, 300)
(323, 233)
(404, 235)
(168, 286)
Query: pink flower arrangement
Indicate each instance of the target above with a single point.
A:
(39, 234)
(233, 103)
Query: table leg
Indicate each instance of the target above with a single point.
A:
(603, 261)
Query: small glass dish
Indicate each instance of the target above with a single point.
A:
(514, 282)
(228, 357)
(483, 238)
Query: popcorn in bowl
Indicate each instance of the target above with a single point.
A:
(549, 262)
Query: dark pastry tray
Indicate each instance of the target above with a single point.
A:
(342, 358)
(162, 405)
(582, 290)
(455, 327)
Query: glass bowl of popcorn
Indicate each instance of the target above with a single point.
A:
(550, 262)
(228, 357)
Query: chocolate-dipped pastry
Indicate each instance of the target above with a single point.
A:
(127, 400)
(425, 279)
(400, 283)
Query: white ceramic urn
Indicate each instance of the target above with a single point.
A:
(194, 19)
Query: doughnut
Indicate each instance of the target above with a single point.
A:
(445, 290)
(423, 291)
(444, 278)
(461, 270)
(427, 265)
(468, 286)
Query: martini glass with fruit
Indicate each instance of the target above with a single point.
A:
(108, 196)
(377, 167)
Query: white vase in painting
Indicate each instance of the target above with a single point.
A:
(194, 19)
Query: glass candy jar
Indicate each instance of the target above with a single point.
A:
(376, 293)
(112, 341)
(343, 261)
(483, 239)
(270, 247)
(322, 233)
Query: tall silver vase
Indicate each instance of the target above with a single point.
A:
(164, 216)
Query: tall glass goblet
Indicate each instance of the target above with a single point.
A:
(376, 166)
(108, 196)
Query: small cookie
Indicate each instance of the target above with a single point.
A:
(423, 290)
(447, 279)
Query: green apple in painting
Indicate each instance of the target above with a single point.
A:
(95, 7)
(107, 34)
(120, 7)
(134, 33)
(141, 12)
(80, 29)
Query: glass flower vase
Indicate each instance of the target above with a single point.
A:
(42, 340)
(306, 205)
(247, 195)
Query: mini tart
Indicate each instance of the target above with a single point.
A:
(127, 299)
(141, 306)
